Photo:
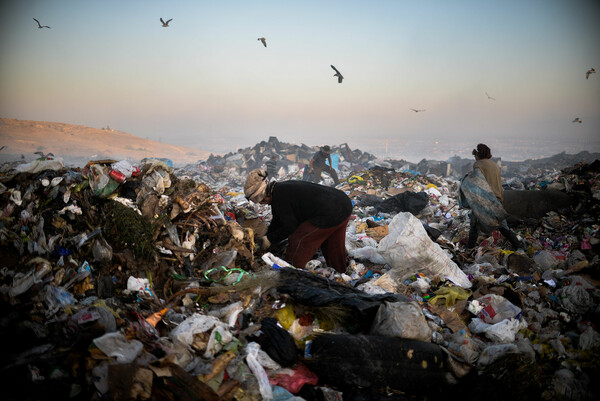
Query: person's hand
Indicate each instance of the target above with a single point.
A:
(264, 243)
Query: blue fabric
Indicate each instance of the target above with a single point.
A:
(477, 195)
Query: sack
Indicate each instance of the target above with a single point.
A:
(408, 249)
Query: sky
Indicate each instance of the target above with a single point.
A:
(507, 73)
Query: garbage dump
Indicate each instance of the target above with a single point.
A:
(127, 281)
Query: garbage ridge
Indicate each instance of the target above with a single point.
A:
(123, 281)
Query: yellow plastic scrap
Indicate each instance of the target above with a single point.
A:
(431, 186)
(356, 180)
(286, 316)
(361, 227)
(450, 294)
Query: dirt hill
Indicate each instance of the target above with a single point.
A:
(78, 142)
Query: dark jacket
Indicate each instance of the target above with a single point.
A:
(294, 202)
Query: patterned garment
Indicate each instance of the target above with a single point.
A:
(477, 195)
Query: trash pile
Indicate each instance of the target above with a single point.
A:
(138, 282)
(291, 159)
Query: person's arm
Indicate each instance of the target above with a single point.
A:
(310, 164)
(283, 223)
(330, 163)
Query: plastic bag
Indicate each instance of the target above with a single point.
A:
(401, 319)
(277, 342)
(296, 378)
(197, 323)
(496, 308)
(493, 353)
(449, 295)
(123, 167)
(259, 372)
(98, 178)
(546, 260)
(367, 253)
(115, 344)
(408, 248)
(504, 331)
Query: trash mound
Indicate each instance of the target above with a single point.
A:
(144, 282)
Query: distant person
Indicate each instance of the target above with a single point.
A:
(318, 164)
(309, 215)
(271, 165)
(492, 175)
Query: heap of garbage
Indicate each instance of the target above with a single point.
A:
(138, 282)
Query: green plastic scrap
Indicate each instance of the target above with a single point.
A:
(228, 271)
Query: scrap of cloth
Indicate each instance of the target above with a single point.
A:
(477, 195)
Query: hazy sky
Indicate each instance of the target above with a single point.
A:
(207, 82)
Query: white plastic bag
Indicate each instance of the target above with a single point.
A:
(367, 253)
(408, 248)
(504, 331)
(496, 308)
(116, 344)
(259, 372)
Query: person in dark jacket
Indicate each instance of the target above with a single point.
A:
(309, 215)
(318, 164)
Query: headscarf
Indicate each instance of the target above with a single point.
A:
(256, 185)
(482, 151)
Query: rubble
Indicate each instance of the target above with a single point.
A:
(123, 281)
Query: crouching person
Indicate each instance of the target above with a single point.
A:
(309, 215)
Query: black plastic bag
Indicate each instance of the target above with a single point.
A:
(362, 361)
(412, 202)
(277, 342)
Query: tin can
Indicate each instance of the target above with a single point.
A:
(117, 176)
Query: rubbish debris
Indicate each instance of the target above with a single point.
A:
(126, 280)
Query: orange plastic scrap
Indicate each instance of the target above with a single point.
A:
(156, 317)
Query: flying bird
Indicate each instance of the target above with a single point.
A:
(337, 74)
(417, 110)
(43, 156)
(577, 120)
(489, 97)
(40, 26)
(264, 41)
(589, 72)
(165, 24)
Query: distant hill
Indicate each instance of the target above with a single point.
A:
(78, 142)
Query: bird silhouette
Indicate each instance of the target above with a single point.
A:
(43, 156)
(589, 72)
(337, 74)
(417, 110)
(489, 97)
(264, 41)
(576, 120)
(40, 26)
(165, 24)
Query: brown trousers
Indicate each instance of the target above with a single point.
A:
(307, 239)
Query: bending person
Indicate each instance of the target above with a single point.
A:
(309, 215)
(318, 164)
